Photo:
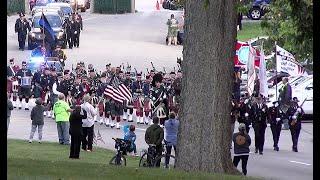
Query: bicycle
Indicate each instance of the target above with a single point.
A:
(122, 147)
(150, 158)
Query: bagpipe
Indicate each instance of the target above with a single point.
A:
(159, 110)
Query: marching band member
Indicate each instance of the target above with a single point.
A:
(275, 124)
(147, 103)
(295, 113)
(12, 83)
(137, 91)
(24, 79)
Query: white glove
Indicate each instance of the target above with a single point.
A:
(246, 101)
(164, 96)
(246, 114)
(19, 77)
(278, 119)
(299, 110)
(153, 98)
(263, 110)
(75, 32)
(294, 117)
(276, 105)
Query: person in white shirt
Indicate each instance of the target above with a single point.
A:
(88, 124)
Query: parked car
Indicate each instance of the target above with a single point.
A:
(35, 37)
(65, 8)
(258, 9)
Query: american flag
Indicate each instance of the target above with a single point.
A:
(119, 94)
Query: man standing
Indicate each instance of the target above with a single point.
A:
(171, 126)
(59, 53)
(137, 91)
(76, 26)
(62, 111)
(24, 79)
(275, 124)
(285, 97)
(172, 30)
(12, 83)
(88, 124)
(154, 135)
(295, 114)
(22, 27)
(67, 27)
(260, 124)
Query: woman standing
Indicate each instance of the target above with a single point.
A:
(75, 131)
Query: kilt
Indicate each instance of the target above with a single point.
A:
(24, 91)
(118, 109)
(9, 86)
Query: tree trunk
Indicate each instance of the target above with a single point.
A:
(92, 6)
(205, 129)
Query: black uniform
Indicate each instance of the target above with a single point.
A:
(76, 133)
(37, 89)
(76, 27)
(259, 125)
(295, 125)
(68, 29)
(22, 27)
(157, 96)
(247, 120)
(275, 125)
(60, 55)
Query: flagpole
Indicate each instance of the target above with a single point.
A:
(43, 43)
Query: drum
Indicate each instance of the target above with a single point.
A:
(26, 81)
(15, 86)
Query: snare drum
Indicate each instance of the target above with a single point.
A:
(26, 81)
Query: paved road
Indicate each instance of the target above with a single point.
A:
(138, 39)
(283, 165)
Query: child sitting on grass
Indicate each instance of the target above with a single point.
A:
(37, 120)
(131, 136)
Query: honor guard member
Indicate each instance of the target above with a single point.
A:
(128, 106)
(246, 113)
(79, 19)
(158, 96)
(24, 79)
(76, 28)
(275, 124)
(285, 96)
(68, 29)
(260, 124)
(100, 93)
(93, 81)
(234, 115)
(12, 83)
(59, 53)
(137, 91)
(77, 91)
(22, 27)
(65, 85)
(295, 115)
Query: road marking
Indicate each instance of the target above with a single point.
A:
(300, 163)
(90, 18)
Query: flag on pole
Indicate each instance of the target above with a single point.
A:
(263, 75)
(287, 63)
(251, 70)
(119, 94)
(48, 31)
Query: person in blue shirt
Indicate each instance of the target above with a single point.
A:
(171, 127)
(131, 136)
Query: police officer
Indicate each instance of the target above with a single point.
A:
(246, 113)
(79, 19)
(260, 124)
(68, 29)
(77, 90)
(24, 79)
(22, 27)
(76, 28)
(275, 124)
(295, 114)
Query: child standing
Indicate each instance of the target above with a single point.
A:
(131, 136)
(37, 120)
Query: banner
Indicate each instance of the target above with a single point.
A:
(287, 63)
(242, 54)
(251, 70)
(263, 75)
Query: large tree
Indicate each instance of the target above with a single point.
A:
(205, 129)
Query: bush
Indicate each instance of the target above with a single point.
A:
(15, 6)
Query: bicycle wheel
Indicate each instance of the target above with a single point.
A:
(122, 161)
(144, 161)
(160, 161)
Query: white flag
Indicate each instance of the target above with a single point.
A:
(263, 75)
(251, 70)
(287, 63)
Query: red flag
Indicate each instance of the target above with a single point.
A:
(242, 54)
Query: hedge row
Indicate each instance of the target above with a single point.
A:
(14, 6)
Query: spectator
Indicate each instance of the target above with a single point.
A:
(76, 131)
(131, 136)
(171, 127)
(242, 142)
(88, 124)
(62, 111)
(172, 30)
(37, 120)
(9, 109)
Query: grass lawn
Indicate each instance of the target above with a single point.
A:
(250, 30)
(50, 161)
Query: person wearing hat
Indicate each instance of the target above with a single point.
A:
(259, 123)
(285, 95)
(246, 112)
(147, 103)
(77, 91)
(12, 84)
(242, 142)
(22, 27)
(68, 29)
(158, 96)
(24, 76)
(59, 53)
(294, 115)
(76, 28)
(137, 91)
(46, 88)
(37, 120)
(275, 119)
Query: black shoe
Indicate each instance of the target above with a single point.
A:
(295, 149)
(274, 148)
(277, 148)
(256, 151)
(27, 109)
(261, 153)
(20, 108)
(124, 119)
